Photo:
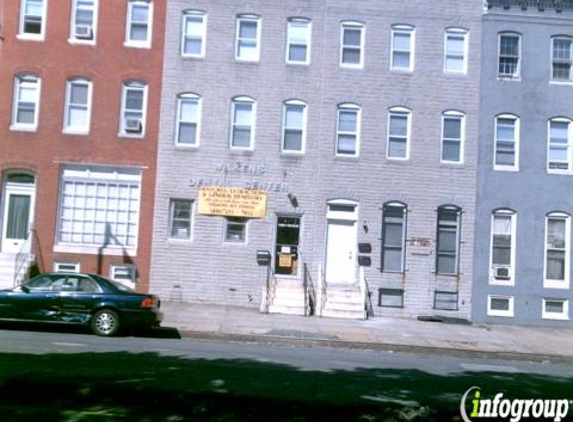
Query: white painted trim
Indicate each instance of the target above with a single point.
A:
(492, 312)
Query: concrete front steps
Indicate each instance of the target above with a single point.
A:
(7, 264)
(344, 301)
(288, 298)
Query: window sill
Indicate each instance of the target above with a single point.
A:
(143, 46)
(556, 317)
(398, 159)
(298, 64)
(77, 41)
(566, 83)
(24, 128)
(346, 156)
(76, 132)
(500, 314)
(509, 78)
(179, 241)
(496, 282)
(352, 66)
(560, 172)
(404, 72)
(452, 163)
(94, 250)
(247, 61)
(30, 37)
(185, 147)
(193, 56)
(130, 136)
(552, 284)
(510, 169)
(292, 154)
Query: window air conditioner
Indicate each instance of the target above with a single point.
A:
(132, 125)
(502, 272)
(83, 32)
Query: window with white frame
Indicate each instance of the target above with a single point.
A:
(502, 257)
(500, 306)
(393, 236)
(557, 250)
(99, 207)
(399, 126)
(506, 155)
(123, 273)
(181, 222)
(559, 154)
(453, 128)
(26, 102)
(562, 53)
(66, 267)
(188, 120)
(194, 33)
(248, 38)
(294, 126)
(448, 240)
(555, 309)
(32, 19)
(236, 229)
(348, 130)
(509, 63)
(455, 50)
(298, 41)
(243, 111)
(78, 106)
(84, 21)
(351, 44)
(133, 109)
(402, 56)
(139, 24)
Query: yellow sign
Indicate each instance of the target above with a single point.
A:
(232, 202)
(285, 260)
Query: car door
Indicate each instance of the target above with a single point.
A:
(38, 299)
(77, 298)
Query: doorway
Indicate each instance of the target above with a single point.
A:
(341, 237)
(18, 202)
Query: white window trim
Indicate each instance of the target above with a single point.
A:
(404, 112)
(558, 284)
(231, 242)
(517, 76)
(251, 18)
(493, 312)
(462, 117)
(180, 99)
(457, 32)
(569, 145)
(308, 23)
(303, 141)
(31, 127)
(358, 109)
(170, 237)
(560, 81)
(128, 22)
(564, 316)
(403, 240)
(491, 278)
(517, 133)
(352, 25)
(458, 226)
(59, 264)
(124, 88)
(77, 130)
(75, 40)
(187, 14)
(396, 29)
(245, 99)
(113, 269)
(32, 37)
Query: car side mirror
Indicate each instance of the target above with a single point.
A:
(25, 289)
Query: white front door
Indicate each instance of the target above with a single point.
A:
(341, 252)
(18, 208)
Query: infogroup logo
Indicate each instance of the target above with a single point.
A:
(514, 410)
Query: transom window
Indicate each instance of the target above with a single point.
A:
(399, 123)
(402, 57)
(181, 219)
(248, 38)
(294, 125)
(78, 106)
(393, 236)
(562, 59)
(83, 25)
(26, 102)
(453, 123)
(509, 55)
(188, 120)
(348, 129)
(557, 250)
(455, 51)
(298, 41)
(243, 111)
(139, 19)
(351, 44)
(33, 18)
(502, 267)
(559, 154)
(194, 33)
(133, 109)
(448, 240)
(506, 156)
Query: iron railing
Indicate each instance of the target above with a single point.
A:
(309, 293)
(23, 258)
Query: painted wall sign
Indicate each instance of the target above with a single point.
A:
(232, 202)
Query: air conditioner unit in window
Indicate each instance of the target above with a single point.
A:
(132, 125)
(83, 32)
(502, 272)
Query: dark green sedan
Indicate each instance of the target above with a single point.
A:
(82, 299)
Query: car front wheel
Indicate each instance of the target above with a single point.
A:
(105, 322)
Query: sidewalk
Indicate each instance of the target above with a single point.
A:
(202, 320)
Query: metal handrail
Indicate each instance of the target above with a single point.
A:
(368, 299)
(323, 290)
(309, 292)
(22, 257)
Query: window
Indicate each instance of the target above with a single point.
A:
(287, 245)
(248, 38)
(66, 267)
(500, 306)
(351, 44)
(294, 125)
(559, 155)
(139, 19)
(32, 19)
(181, 219)
(243, 111)
(555, 309)
(236, 230)
(78, 106)
(502, 268)
(125, 274)
(393, 236)
(26, 102)
(348, 130)
(188, 120)
(562, 59)
(455, 51)
(399, 123)
(391, 298)
(557, 250)
(453, 129)
(99, 206)
(83, 25)
(509, 52)
(298, 41)
(446, 301)
(194, 34)
(506, 155)
(402, 48)
(133, 109)
(448, 240)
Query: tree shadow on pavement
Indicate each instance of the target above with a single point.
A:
(87, 387)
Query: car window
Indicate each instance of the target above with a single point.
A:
(86, 285)
(42, 283)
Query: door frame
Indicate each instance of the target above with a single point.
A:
(10, 188)
(343, 210)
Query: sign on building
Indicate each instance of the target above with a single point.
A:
(232, 202)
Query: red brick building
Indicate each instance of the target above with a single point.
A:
(80, 85)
